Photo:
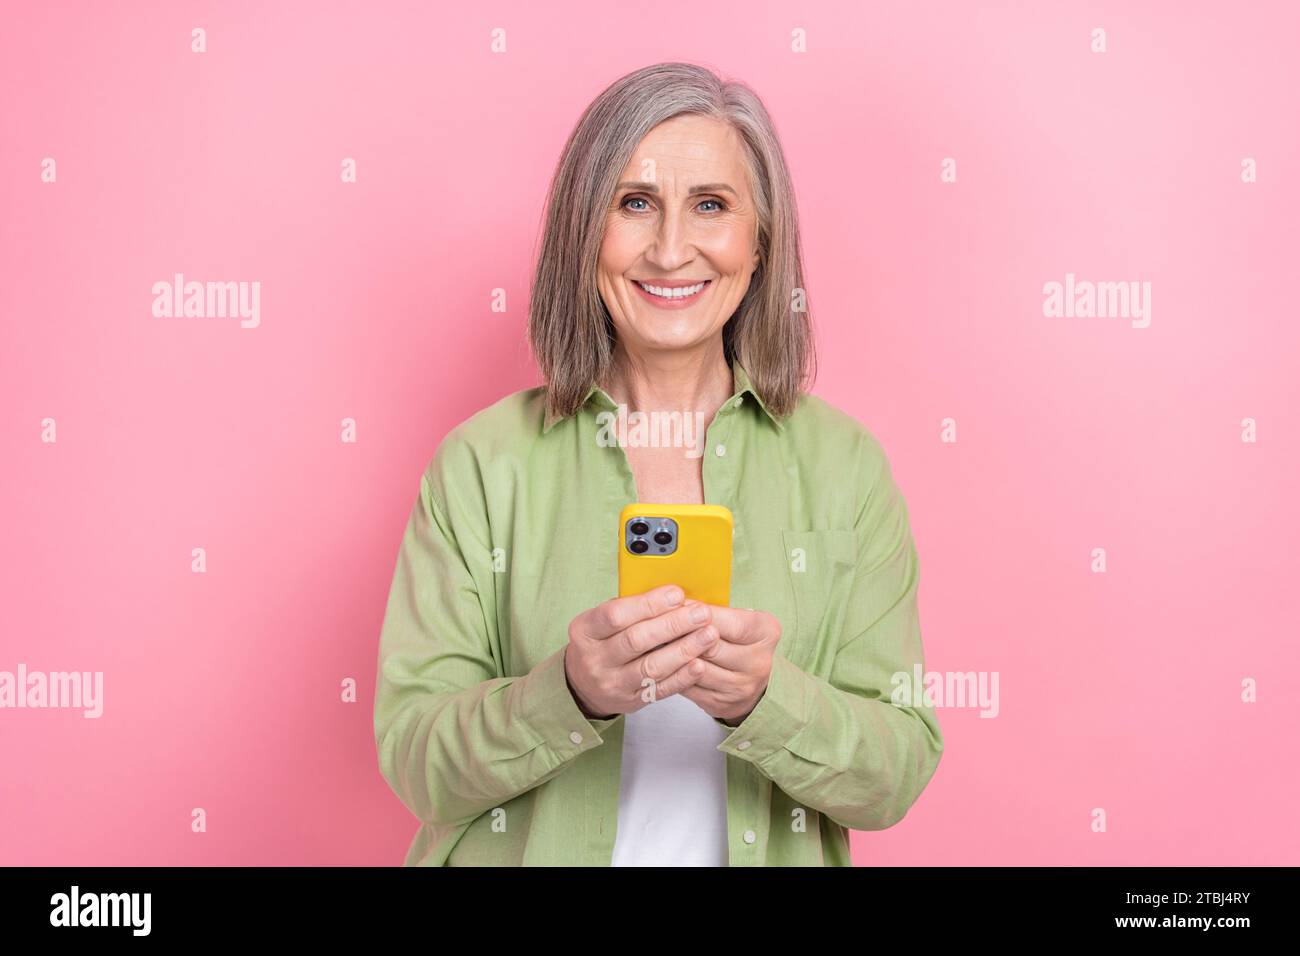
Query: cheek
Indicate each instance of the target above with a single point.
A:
(621, 246)
(732, 249)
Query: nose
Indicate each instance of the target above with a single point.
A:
(673, 244)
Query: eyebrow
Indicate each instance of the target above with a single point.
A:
(703, 188)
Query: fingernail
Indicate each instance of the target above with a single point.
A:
(676, 596)
(699, 614)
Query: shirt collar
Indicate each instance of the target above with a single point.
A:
(740, 378)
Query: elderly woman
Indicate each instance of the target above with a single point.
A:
(511, 713)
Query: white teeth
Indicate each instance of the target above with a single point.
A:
(673, 293)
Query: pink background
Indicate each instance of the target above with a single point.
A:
(1117, 690)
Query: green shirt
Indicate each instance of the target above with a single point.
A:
(515, 531)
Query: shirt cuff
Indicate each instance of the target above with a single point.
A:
(547, 706)
(779, 714)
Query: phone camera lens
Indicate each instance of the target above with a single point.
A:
(638, 547)
(663, 537)
(640, 527)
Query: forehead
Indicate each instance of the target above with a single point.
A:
(694, 147)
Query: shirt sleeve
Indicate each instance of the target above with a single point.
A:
(456, 737)
(841, 745)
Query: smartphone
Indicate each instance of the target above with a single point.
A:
(686, 545)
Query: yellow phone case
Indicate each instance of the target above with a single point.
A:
(700, 564)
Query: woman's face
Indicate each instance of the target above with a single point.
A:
(682, 215)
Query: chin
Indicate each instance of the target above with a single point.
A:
(667, 333)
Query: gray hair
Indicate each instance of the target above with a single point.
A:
(569, 327)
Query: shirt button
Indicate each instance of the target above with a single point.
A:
(739, 401)
(750, 837)
(576, 737)
(743, 745)
(720, 450)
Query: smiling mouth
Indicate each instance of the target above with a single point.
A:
(673, 293)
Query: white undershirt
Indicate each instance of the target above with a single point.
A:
(672, 800)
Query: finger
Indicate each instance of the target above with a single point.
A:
(719, 681)
(679, 680)
(731, 656)
(644, 636)
(617, 614)
(706, 700)
(741, 625)
(658, 664)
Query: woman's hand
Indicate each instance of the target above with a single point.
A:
(736, 670)
(630, 651)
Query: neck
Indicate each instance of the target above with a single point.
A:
(671, 380)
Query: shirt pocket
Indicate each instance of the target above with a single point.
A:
(820, 566)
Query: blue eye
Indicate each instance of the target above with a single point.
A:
(717, 202)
